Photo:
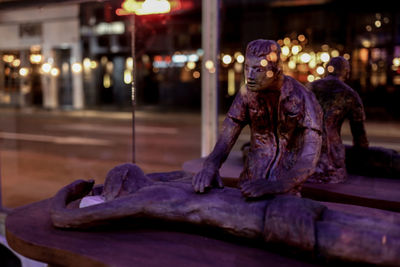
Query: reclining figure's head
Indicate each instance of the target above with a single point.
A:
(123, 180)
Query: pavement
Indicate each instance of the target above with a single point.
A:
(41, 150)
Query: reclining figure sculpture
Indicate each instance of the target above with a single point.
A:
(298, 222)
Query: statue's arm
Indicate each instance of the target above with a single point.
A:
(307, 159)
(226, 140)
(356, 119)
(359, 134)
(60, 215)
(65, 217)
(233, 124)
(210, 171)
(310, 142)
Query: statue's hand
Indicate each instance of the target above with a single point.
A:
(70, 193)
(79, 188)
(205, 179)
(262, 187)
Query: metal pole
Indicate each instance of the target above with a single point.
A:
(1, 195)
(1, 89)
(209, 94)
(133, 89)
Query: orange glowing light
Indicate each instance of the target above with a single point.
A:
(363, 55)
(272, 56)
(158, 58)
(147, 7)
(301, 38)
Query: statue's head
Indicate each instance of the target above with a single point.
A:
(123, 180)
(338, 67)
(263, 66)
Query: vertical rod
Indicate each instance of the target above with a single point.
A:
(1, 89)
(133, 89)
(209, 80)
(1, 195)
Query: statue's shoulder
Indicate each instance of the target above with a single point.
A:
(311, 108)
(293, 88)
(353, 93)
(242, 95)
(338, 88)
(293, 84)
(317, 84)
(243, 91)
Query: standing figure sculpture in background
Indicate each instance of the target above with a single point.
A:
(338, 102)
(285, 121)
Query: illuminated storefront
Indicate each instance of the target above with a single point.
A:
(41, 57)
(90, 64)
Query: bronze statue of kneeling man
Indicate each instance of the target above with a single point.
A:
(340, 102)
(298, 222)
(285, 123)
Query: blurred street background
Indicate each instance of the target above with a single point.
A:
(43, 151)
(66, 72)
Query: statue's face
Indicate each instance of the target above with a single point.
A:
(259, 73)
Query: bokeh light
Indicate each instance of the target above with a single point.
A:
(227, 59)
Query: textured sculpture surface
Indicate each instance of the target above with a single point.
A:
(286, 126)
(338, 102)
(302, 223)
(285, 121)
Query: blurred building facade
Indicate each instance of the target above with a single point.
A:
(40, 51)
(85, 51)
